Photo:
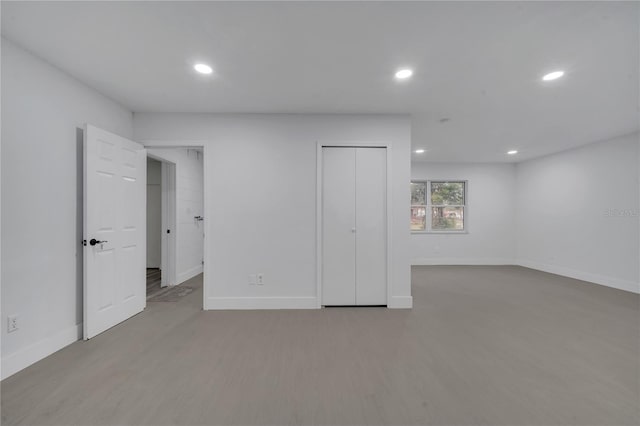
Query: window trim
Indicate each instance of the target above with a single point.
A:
(428, 206)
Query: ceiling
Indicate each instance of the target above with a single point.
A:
(477, 64)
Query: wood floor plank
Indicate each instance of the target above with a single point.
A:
(482, 346)
(154, 279)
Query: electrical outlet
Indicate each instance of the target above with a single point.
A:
(252, 279)
(260, 279)
(12, 323)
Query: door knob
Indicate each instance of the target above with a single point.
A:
(93, 242)
(353, 230)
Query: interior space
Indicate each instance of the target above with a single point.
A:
(320, 213)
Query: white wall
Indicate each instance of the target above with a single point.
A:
(42, 108)
(490, 217)
(578, 213)
(189, 203)
(575, 213)
(260, 199)
(154, 213)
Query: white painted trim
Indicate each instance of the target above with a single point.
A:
(465, 232)
(583, 276)
(318, 225)
(207, 208)
(41, 349)
(188, 274)
(462, 261)
(248, 303)
(389, 197)
(401, 302)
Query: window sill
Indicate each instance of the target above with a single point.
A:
(440, 232)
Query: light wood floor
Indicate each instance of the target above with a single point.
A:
(154, 278)
(483, 345)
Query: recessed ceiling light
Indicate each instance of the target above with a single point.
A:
(553, 75)
(512, 152)
(203, 68)
(419, 151)
(404, 73)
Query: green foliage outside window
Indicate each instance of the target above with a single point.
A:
(446, 204)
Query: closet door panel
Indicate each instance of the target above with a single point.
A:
(338, 223)
(371, 226)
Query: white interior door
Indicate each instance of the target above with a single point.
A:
(114, 229)
(371, 226)
(338, 226)
(354, 250)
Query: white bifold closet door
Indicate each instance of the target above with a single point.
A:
(354, 251)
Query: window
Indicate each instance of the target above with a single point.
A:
(438, 206)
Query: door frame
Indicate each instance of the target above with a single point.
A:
(202, 145)
(389, 196)
(168, 215)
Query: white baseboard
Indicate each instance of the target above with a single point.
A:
(221, 303)
(400, 302)
(33, 353)
(188, 274)
(461, 261)
(583, 276)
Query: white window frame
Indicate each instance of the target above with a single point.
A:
(429, 205)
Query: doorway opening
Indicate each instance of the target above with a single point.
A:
(154, 226)
(175, 221)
